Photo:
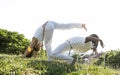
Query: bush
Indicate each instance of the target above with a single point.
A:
(111, 58)
(12, 42)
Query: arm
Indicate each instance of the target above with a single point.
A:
(30, 47)
(37, 48)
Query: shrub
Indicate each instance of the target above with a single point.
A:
(111, 58)
(12, 42)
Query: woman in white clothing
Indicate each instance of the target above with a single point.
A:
(81, 44)
(45, 32)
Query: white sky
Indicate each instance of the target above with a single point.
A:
(100, 16)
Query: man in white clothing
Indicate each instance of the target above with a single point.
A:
(45, 32)
(81, 44)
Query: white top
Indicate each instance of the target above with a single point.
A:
(78, 44)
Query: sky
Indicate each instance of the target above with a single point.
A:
(101, 17)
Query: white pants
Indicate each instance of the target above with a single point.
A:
(58, 52)
(49, 29)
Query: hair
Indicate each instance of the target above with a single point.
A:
(95, 43)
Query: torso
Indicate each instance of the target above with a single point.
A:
(78, 44)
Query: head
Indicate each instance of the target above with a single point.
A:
(94, 43)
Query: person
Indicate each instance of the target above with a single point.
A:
(45, 32)
(81, 44)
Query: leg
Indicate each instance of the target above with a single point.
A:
(57, 53)
(69, 25)
(29, 49)
(48, 38)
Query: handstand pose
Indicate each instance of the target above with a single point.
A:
(45, 32)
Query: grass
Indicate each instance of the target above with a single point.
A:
(15, 65)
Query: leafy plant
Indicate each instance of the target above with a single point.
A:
(111, 58)
(12, 42)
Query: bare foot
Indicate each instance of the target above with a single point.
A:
(83, 25)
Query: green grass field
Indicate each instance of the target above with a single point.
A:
(15, 65)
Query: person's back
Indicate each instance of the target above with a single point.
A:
(78, 44)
